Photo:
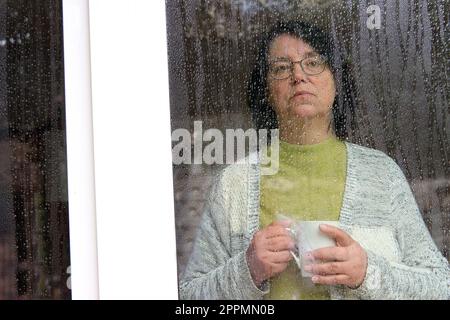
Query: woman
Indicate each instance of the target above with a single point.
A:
(384, 250)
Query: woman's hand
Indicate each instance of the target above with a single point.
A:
(268, 254)
(345, 264)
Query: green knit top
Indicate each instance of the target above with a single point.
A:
(309, 185)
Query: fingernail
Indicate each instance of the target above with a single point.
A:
(314, 279)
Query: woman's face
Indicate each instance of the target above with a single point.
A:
(300, 95)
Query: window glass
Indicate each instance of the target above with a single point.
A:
(392, 90)
(34, 232)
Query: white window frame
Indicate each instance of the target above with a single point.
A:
(121, 203)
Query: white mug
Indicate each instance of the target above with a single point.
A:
(309, 238)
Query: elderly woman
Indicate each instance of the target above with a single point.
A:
(383, 248)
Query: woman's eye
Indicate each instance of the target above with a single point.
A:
(313, 63)
(281, 68)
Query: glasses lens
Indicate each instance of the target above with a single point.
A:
(313, 65)
(280, 70)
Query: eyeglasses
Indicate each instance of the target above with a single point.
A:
(283, 69)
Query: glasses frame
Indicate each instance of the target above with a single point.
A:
(301, 62)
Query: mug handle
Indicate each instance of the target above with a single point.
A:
(297, 259)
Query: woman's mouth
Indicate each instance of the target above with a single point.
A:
(302, 94)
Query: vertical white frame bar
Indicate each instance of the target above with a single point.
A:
(133, 161)
(80, 151)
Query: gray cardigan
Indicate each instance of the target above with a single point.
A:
(379, 211)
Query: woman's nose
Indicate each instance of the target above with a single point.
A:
(297, 73)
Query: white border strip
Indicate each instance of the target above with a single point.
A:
(80, 152)
(133, 160)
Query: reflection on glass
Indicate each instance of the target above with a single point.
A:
(394, 90)
(34, 234)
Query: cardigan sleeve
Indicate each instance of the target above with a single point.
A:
(423, 272)
(212, 271)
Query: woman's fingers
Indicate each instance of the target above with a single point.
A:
(330, 254)
(330, 268)
(331, 280)
(277, 268)
(281, 257)
(350, 262)
(280, 243)
(274, 231)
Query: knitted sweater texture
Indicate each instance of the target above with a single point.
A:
(379, 211)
